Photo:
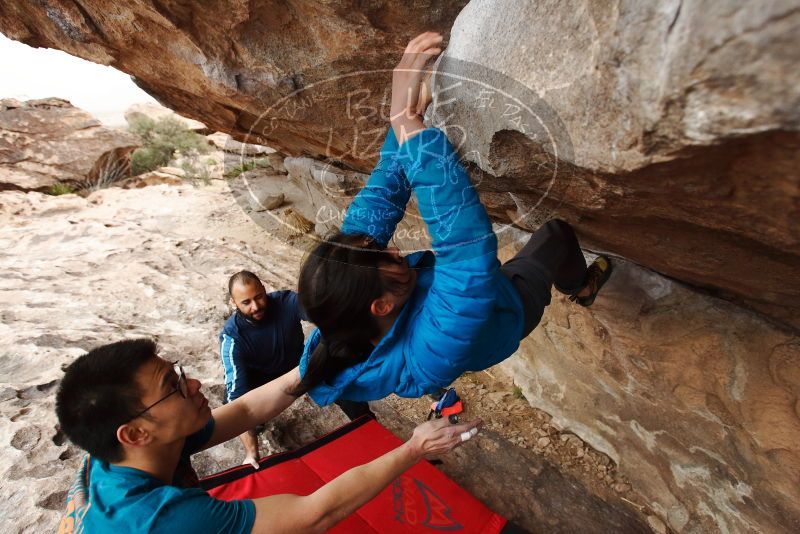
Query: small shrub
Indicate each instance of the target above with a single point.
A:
(194, 169)
(160, 140)
(236, 170)
(247, 165)
(60, 189)
(516, 391)
(107, 170)
(147, 159)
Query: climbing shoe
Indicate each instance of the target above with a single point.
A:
(596, 275)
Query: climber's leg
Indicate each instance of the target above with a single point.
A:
(554, 249)
(552, 256)
(558, 250)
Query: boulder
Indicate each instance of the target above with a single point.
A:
(330, 190)
(695, 399)
(666, 132)
(271, 202)
(274, 72)
(275, 162)
(668, 115)
(161, 176)
(173, 171)
(48, 141)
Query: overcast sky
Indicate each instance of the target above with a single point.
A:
(28, 72)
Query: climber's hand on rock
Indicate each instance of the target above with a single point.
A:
(409, 73)
(407, 84)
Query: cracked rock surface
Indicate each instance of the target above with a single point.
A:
(676, 121)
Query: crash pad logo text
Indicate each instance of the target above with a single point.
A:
(416, 504)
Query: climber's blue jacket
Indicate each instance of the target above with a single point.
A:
(464, 315)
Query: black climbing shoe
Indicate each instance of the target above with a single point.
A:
(596, 275)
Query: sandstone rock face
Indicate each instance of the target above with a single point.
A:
(227, 64)
(680, 118)
(695, 399)
(667, 132)
(45, 142)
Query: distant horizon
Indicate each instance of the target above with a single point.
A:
(32, 73)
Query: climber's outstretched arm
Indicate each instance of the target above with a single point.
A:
(410, 96)
(381, 204)
(464, 286)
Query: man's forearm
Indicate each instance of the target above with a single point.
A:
(337, 499)
(352, 489)
(253, 408)
(342, 496)
(265, 402)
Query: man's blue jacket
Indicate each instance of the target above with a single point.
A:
(464, 315)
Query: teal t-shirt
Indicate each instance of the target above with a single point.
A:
(124, 499)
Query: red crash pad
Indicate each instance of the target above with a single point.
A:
(422, 499)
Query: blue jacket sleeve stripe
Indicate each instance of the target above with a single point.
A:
(234, 382)
(381, 204)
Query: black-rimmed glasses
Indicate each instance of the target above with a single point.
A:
(180, 387)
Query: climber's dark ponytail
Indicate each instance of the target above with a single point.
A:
(339, 280)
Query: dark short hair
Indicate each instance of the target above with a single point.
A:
(244, 277)
(99, 393)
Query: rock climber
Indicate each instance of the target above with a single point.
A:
(412, 325)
